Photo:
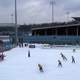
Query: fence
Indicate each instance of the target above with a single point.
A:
(52, 39)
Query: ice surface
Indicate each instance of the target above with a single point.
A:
(17, 65)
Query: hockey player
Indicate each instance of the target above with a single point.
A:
(59, 63)
(28, 53)
(74, 50)
(2, 56)
(40, 67)
(63, 57)
(73, 60)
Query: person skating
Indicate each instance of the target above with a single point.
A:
(59, 63)
(63, 57)
(73, 60)
(28, 53)
(74, 50)
(40, 67)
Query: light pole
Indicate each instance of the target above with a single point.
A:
(16, 36)
(52, 4)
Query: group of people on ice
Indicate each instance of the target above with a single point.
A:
(2, 56)
(40, 67)
(65, 59)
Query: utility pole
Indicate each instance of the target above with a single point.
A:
(16, 35)
(52, 4)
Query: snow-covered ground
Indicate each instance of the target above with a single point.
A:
(17, 66)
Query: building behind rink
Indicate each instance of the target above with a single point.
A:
(53, 33)
(56, 33)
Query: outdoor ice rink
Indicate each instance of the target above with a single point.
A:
(18, 66)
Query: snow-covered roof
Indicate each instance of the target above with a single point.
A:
(4, 38)
(7, 25)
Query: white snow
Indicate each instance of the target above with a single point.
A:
(17, 66)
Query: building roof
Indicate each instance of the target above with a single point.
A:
(76, 18)
(56, 26)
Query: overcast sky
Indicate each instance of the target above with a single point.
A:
(38, 11)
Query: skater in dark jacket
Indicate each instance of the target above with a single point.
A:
(63, 57)
(73, 60)
(59, 63)
(40, 67)
(74, 50)
(2, 57)
(28, 53)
